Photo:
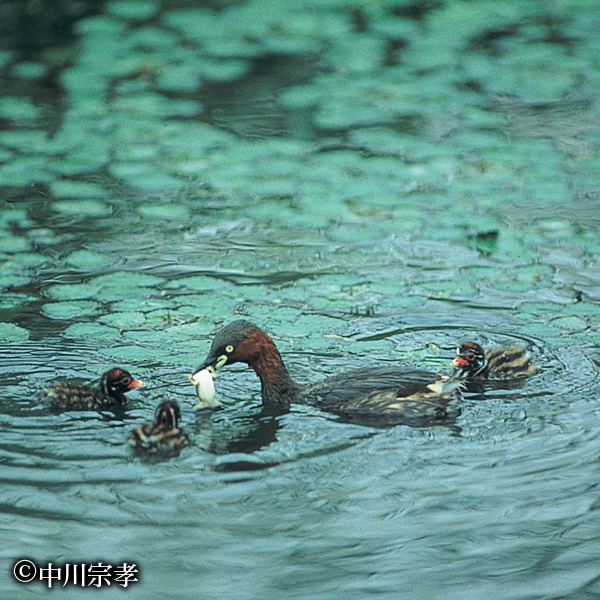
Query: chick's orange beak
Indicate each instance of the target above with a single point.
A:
(135, 383)
(459, 361)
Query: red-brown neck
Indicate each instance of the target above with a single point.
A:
(261, 354)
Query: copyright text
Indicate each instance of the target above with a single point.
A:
(97, 574)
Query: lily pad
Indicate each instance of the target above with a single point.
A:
(13, 244)
(231, 47)
(28, 141)
(548, 333)
(75, 291)
(18, 109)
(134, 10)
(101, 27)
(153, 37)
(120, 293)
(24, 171)
(137, 152)
(195, 23)
(585, 308)
(137, 304)
(124, 320)
(5, 57)
(169, 211)
(570, 323)
(79, 162)
(13, 280)
(82, 207)
(179, 78)
(70, 310)
(198, 329)
(127, 279)
(91, 330)
(222, 70)
(79, 189)
(16, 215)
(145, 176)
(198, 283)
(86, 259)
(136, 354)
(164, 338)
(9, 332)
(29, 70)
(166, 317)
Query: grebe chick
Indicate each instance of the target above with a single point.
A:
(163, 436)
(109, 392)
(383, 395)
(497, 363)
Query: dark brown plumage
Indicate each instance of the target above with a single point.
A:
(373, 395)
(163, 436)
(109, 392)
(495, 364)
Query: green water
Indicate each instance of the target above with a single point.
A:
(368, 181)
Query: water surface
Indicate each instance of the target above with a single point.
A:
(370, 184)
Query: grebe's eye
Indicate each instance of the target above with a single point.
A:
(229, 349)
(470, 356)
(126, 380)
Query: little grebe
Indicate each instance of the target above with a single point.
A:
(497, 363)
(382, 395)
(76, 396)
(163, 436)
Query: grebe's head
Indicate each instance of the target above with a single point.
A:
(240, 341)
(470, 358)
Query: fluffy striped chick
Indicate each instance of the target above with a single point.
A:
(109, 393)
(495, 364)
(163, 436)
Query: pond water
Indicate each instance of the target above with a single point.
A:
(370, 183)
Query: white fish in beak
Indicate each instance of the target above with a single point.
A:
(205, 388)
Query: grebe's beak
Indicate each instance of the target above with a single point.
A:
(214, 362)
